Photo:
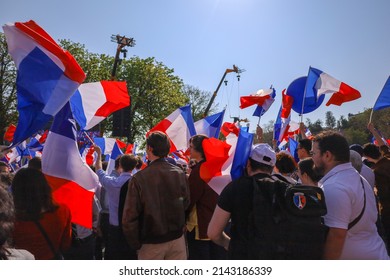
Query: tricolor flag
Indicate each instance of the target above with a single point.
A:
(319, 83)
(211, 125)
(106, 144)
(383, 100)
(225, 160)
(282, 122)
(179, 126)
(261, 109)
(72, 181)
(258, 98)
(114, 155)
(47, 76)
(93, 102)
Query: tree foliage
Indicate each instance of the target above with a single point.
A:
(8, 112)
(199, 100)
(330, 120)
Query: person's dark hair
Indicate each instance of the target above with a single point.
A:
(335, 143)
(139, 162)
(371, 150)
(306, 166)
(6, 179)
(104, 165)
(196, 142)
(357, 148)
(128, 162)
(305, 144)
(285, 163)
(7, 215)
(258, 166)
(159, 142)
(4, 164)
(32, 194)
(117, 162)
(35, 162)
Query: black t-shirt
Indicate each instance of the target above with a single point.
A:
(236, 198)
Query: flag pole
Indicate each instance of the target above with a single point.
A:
(304, 95)
(372, 111)
(89, 138)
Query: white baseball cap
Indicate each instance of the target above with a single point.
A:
(263, 153)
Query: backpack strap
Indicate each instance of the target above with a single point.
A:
(357, 219)
(57, 255)
(122, 200)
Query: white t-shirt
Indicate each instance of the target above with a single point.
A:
(344, 200)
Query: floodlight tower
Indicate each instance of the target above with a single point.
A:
(121, 119)
(122, 42)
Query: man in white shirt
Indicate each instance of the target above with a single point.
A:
(347, 196)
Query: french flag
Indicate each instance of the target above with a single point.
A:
(72, 181)
(116, 152)
(258, 98)
(282, 122)
(319, 83)
(211, 125)
(106, 144)
(47, 76)
(9, 133)
(93, 102)
(261, 109)
(179, 126)
(225, 160)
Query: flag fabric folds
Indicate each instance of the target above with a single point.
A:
(319, 83)
(9, 133)
(47, 76)
(211, 125)
(106, 144)
(261, 109)
(179, 126)
(282, 122)
(114, 154)
(383, 100)
(93, 102)
(72, 181)
(225, 160)
(258, 98)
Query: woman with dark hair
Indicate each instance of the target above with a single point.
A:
(307, 172)
(34, 205)
(285, 166)
(7, 215)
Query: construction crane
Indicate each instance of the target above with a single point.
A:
(235, 69)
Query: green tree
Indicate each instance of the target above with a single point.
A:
(315, 127)
(330, 120)
(8, 111)
(155, 93)
(199, 100)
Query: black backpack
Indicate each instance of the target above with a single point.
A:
(286, 221)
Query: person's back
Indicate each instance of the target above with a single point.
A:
(154, 212)
(34, 203)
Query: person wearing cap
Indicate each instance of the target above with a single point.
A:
(235, 203)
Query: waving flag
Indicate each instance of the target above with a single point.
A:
(259, 98)
(383, 100)
(179, 126)
(261, 109)
(93, 102)
(282, 122)
(47, 76)
(72, 181)
(225, 160)
(116, 152)
(211, 125)
(228, 128)
(105, 144)
(9, 133)
(319, 83)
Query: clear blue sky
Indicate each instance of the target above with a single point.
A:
(275, 41)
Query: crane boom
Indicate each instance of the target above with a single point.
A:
(235, 69)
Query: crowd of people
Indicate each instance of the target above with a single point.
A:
(166, 211)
